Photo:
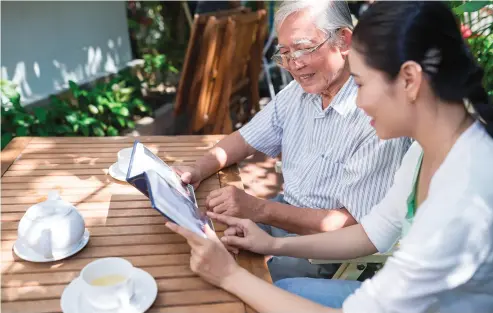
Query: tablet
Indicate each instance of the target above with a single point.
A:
(172, 204)
(142, 159)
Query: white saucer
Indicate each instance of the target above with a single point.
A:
(115, 172)
(145, 293)
(28, 254)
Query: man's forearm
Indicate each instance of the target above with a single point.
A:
(304, 221)
(346, 243)
(232, 149)
(267, 298)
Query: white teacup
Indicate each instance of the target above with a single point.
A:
(107, 283)
(124, 156)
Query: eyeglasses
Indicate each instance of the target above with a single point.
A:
(282, 59)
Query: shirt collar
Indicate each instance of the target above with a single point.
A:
(343, 102)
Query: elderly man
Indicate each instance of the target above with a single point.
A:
(335, 168)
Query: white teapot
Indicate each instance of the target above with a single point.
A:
(50, 230)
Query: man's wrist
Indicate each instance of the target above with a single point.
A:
(262, 211)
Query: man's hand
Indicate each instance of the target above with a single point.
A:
(189, 174)
(235, 202)
(245, 234)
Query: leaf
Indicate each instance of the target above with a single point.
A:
(111, 131)
(98, 131)
(85, 130)
(471, 6)
(123, 111)
(76, 128)
(41, 114)
(93, 109)
(71, 118)
(130, 124)
(21, 131)
(20, 120)
(6, 138)
(88, 121)
(173, 69)
(121, 121)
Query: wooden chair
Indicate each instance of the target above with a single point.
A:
(218, 65)
(243, 72)
(352, 269)
(193, 63)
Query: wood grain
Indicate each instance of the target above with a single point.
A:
(12, 151)
(120, 220)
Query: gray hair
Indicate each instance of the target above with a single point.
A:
(328, 15)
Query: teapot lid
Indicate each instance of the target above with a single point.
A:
(51, 207)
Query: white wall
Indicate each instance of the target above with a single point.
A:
(46, 44)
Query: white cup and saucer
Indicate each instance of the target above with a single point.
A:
(110, 285)
(119, 169)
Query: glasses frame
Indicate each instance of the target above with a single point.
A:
(279, 57)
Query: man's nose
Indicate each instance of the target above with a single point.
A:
(297, 64)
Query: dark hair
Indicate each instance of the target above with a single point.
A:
(390, 33)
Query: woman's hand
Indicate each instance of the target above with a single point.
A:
(244, 234)
(209, 258)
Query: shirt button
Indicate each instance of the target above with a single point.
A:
(323, 156)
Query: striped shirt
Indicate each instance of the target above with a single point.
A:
(331, 158)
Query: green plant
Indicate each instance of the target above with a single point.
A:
(103, 110)
(477, 30)
(155, 67)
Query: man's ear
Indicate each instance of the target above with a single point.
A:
(411, 75)
(345, 37)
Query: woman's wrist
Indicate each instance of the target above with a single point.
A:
(276, 246)
(231, 281)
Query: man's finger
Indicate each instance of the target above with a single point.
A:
(234, 241)
(219, 209)
(214, 202)
(225, 219)
(215, 193)
(186, 177)
(191, 237)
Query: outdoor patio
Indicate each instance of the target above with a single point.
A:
(178, 76)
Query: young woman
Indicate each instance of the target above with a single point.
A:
(417, 79)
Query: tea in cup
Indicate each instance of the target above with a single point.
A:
(107, 283)
(124, 156)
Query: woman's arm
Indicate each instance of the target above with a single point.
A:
(265, 297)
(345, 243)
(212, 262)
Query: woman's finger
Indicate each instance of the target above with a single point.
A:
(235, 241)
(228, 220)
(192, 238)
(231, 231)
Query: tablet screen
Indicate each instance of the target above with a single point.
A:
(174, 205)
(143, 159)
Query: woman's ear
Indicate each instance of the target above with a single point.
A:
(345, 36)
(411, 75)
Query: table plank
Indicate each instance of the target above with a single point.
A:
(12, 151)
(119, 218)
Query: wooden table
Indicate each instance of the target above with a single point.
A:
(119, 218)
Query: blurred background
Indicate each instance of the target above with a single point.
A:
(108, 68)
